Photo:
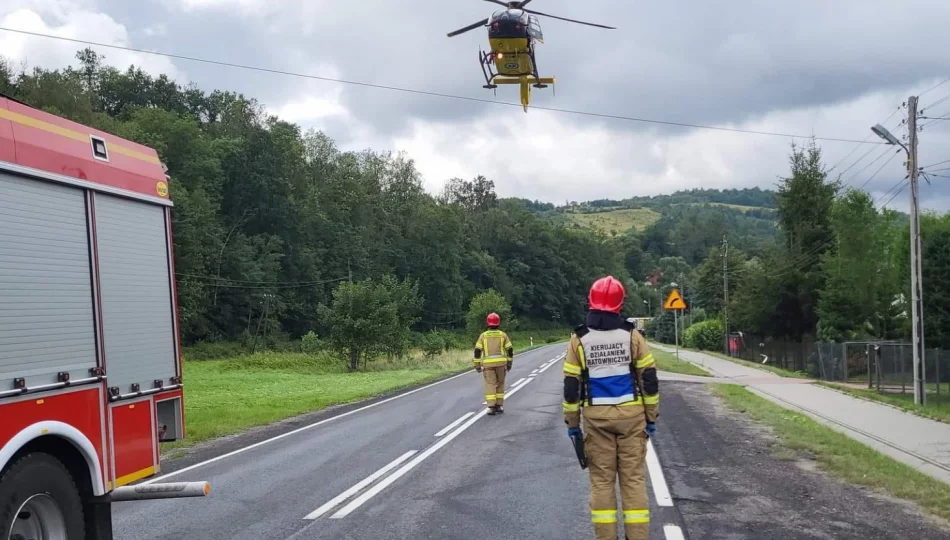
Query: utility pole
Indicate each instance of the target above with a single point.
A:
(916, 275)
(725, 292)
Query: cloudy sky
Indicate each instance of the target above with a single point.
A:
(829, 68)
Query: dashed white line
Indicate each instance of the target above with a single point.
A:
(451, 426)
(660, 489)
(672, 532)
(386, 482)
(516, 383)
(332, 503)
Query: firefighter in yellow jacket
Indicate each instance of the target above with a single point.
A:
(610, 380)
(493, 358)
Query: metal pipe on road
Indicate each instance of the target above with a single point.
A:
(173, 490)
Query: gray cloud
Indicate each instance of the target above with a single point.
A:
(828, 68)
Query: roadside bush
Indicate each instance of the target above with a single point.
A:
(310, 343)
(706, 335)
(432, 344)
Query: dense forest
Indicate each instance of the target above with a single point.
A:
(279, 233)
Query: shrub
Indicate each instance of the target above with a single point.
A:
(310, 343)
(706, 335)
(432, 344)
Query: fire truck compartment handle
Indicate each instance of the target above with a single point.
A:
(53, 386)
(174, 490)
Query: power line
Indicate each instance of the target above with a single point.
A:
(941, 83)
(866, 139)
(935, 164)
(224, 283)
(438, 94)
(894, 155)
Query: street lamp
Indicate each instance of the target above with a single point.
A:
(916, 273)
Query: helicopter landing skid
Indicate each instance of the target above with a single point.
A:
(484, 60)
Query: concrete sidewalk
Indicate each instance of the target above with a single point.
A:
(919, 442)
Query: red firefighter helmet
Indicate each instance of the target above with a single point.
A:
(493, 319)
(606, 294)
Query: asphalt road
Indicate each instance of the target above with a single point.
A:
(430, 464)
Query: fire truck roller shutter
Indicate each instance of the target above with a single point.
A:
(46, 308)
(136, 293)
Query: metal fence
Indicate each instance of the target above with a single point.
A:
(886, 366)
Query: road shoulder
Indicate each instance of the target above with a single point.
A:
(732, 477)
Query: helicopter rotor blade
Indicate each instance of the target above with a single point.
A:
(521, 5)
(569, 20)
(472, 26)
(499, 2)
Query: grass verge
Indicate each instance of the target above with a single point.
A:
(223, 397)
(669, 362)
(840, 455)
(937, 408)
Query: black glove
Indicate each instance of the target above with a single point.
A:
(508, 367)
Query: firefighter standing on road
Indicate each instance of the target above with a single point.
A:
(493, 358)
(610, 379)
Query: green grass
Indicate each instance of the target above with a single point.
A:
(669, 362)
(223, 397)
(764, 367)
(937, 407)
(840, 455)
(619, 221)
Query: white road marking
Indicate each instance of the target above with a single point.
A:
(298, 430)
(451, 426)
(369, 494)
(515, 388)
(549, 364)
(660, 489)
(516, 383)
(535, 372)
(332, 503)
(375, 490)
(672, 532)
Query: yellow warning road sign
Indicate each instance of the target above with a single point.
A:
(674, 301)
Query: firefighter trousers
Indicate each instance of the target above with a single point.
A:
(494, 384)
(615, 442)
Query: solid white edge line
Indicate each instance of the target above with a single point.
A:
(451, 426)
(516, 383)
(298, 430)
(673, 532)
(660, 490)
(332, 503)
(375, 490)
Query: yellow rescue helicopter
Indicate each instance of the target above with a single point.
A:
(512, 33)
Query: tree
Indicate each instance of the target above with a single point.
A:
(709, 278)
(804, 202)
(367, 318)
(848, 300)
(483, 304)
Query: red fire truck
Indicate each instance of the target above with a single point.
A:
(90, 361)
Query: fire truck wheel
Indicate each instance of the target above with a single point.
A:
(39, 501)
